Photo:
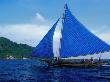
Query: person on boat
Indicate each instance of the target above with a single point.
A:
(83, 60)
(99, 59)
(55, 60)
(92, 60)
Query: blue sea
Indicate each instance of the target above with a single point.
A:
(36, 71)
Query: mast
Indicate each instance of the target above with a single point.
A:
(63, 16)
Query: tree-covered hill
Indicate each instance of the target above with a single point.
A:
(9, 48)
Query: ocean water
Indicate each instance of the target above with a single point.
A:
(36, 71)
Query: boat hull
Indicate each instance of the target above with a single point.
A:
(78, 65)
(72, 63)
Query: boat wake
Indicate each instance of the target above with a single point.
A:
(106, 65)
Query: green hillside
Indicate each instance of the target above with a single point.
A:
(9, 48)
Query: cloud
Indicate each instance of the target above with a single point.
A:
(39, 17)
(30, 34)
(105, 36)
(40, 20)
(103, 33)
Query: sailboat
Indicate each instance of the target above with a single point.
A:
(76, 41)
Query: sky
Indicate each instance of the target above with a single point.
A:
(27, 21)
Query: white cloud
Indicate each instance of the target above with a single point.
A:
(105, 36)
(103, 33)
(40, 17)
(29, 34)
(24, 33)
(40, 20)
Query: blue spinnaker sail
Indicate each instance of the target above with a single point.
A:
(77, 40)
(45, 48)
